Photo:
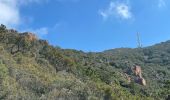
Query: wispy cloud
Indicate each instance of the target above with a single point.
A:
(161, 3)
(118, 9)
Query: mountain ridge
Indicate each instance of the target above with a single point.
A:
(33, 69)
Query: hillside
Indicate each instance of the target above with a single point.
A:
(31, 69)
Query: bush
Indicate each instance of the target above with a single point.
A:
(3, 70)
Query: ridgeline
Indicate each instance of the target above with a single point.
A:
(31, 69)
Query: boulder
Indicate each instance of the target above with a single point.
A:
(137, 70)
(143, 81)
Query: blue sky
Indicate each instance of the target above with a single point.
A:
(90, 25)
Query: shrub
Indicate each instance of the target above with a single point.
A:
(3, 70)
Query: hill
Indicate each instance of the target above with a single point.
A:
(31, 69)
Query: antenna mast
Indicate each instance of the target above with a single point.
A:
(139, 41)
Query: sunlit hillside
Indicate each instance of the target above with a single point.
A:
(31, 69)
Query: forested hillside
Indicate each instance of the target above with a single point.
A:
(31, 69)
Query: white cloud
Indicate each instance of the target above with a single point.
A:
(123, 11)
(161, 3)
(10, 15)
(10, 11)
(118, 9)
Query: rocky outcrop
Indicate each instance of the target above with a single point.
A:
(29, 36)
(138, 72)
(141, 81)
(23, 42)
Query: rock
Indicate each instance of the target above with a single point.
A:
(138, 71)
(143, 81)
(29, 36)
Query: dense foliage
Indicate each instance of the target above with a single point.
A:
(31, 69)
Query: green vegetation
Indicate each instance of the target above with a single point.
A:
(31, 69)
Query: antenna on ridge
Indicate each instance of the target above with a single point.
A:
(139, 41)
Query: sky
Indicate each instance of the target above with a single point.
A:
(90, 25)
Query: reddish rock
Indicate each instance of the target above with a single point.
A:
(30, 36)
(137, 70)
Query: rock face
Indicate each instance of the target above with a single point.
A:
(30, 36)
(138, 72)
(141, 81)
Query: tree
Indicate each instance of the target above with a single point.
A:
(2, 27)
